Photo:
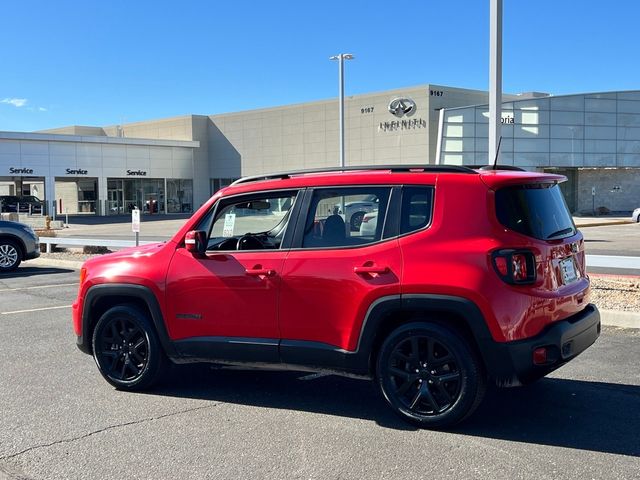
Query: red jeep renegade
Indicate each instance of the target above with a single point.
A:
(450, 278)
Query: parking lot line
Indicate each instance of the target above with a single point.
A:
(36, 309)
(39, 286)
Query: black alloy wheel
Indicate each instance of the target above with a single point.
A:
(10, 256)
(126, 349)
(429, 375)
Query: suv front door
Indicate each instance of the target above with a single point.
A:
(333, 274)
(225, 300)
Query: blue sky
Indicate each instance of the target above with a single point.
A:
(103, 63)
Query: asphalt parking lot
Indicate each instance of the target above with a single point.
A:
(613, 239)
(60, 420)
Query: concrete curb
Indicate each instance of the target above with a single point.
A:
(53, 262)
(602, 224)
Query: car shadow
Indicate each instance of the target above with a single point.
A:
(602, 417)
(596, 416)
(34, 271)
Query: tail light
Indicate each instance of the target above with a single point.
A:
(517, 267)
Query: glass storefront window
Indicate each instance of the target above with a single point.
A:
(124, 194)
(179, 196)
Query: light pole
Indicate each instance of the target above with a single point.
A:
(495, 78)
(341, 58)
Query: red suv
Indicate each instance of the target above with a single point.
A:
(469, 276)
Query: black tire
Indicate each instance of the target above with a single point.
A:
(356, 221)
(429, 375)
(127, 350)
(10, 255)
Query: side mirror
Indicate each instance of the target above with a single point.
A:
(196, 242)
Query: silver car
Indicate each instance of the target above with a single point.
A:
(635, 216)
(18, 242)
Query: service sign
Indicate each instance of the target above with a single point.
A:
(135, 220)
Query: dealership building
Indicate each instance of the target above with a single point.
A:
(173, 165)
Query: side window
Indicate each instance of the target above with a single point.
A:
(254, 223)
(345, 217)
(417, 203)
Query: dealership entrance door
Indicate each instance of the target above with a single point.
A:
(123, 194)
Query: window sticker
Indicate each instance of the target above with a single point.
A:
(229, 222)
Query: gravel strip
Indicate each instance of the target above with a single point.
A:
(75, 256)
(615, 293)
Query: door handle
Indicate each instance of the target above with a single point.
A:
(371, 269)
(260, 272)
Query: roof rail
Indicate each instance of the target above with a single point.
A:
(392, 168)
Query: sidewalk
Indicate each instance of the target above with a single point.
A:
(598, 221)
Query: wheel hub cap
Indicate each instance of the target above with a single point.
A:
(8, 255)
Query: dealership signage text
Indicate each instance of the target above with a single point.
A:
(394, 125)
(78, 171)
(136, 173)
(28, 171)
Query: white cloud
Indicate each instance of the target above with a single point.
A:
(16, 102)
(42, 109)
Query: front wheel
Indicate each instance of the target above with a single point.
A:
(429, 375)
(127, 350)
(10, 256)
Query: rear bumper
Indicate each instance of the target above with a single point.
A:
(563, 340)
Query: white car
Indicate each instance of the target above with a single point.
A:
(369, 224)
(356, 210)
(635, 216)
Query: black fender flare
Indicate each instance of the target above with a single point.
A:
(490, 351)
(123, 291)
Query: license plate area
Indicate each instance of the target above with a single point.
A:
(568, 269)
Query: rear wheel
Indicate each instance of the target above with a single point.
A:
(127, 350)
(10, 255)
(429, 375)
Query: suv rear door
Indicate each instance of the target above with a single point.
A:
(334, 273)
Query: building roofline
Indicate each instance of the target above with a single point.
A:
(395, 91)
(515, 100)
(61, 137)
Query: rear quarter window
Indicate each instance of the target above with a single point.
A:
(416, 210)
(537, 210)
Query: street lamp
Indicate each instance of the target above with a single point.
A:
(341, 58)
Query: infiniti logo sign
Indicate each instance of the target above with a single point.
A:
(402, 106)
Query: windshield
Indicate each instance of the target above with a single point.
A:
(538, 211)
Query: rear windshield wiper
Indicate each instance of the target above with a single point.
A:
(560, 232)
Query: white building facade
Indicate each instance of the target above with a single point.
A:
(593, 139)
(173, 165)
